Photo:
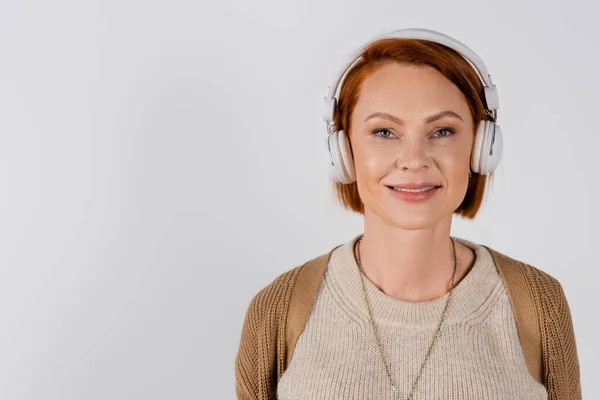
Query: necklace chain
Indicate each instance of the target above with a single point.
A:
(376, 332)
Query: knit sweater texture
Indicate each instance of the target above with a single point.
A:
(278, 315)
(476, 356)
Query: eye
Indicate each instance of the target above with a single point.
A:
(383, 133)
(444, 132)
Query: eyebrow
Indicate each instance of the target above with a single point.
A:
(429, 119)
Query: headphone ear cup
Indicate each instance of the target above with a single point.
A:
(477, 146)
(493, 147)
(487, 148)
(347, 161)
(335, 169)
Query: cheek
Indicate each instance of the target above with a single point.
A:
(458, 156)
(455, 170)
(373, 162)
(456, 162)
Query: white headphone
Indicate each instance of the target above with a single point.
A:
(487, 148)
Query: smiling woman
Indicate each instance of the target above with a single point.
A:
(413, 76)
(405, 307)
(420, 147)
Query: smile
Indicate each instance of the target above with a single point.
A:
(425, 189)
(414, 195)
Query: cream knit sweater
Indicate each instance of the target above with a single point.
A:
(477, 355)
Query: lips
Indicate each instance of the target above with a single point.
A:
(414, 185)
(414, 191)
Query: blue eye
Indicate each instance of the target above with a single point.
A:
(383, 133)
(448, 131)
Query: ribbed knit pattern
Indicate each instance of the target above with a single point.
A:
(561, 362)
(261, 358)
(477, 355)
(284, 317)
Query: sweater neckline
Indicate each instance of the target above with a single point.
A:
(471, 294)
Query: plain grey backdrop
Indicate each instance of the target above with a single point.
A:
(162, 161)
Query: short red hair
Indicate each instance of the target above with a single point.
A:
(416, 52)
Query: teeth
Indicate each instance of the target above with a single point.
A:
(414, 190)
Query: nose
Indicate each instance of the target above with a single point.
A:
(412, 155)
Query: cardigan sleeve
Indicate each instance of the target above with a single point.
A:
(255, 363)
(261, 357)
(561, 363)
(563, 349)
(246, 384)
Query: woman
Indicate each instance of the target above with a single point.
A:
(405, 310)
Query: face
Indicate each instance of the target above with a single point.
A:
(411, 127)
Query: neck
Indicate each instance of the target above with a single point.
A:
(411, 265)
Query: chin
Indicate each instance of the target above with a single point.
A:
(407, 215)
(415, 216)
(412, 223)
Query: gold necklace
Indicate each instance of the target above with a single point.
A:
(378, 340)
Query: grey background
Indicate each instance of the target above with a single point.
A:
(160, 162)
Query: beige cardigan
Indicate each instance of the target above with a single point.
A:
(278, 313)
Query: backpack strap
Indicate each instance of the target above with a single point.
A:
(303, 297)
(524, 309)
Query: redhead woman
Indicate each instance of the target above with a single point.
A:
(405, 310)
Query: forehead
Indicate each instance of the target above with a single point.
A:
(409, 90)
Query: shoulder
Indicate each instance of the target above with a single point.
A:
(272, 321)
(544, 286)
(556, 330)
(275, 294)
(302, 280)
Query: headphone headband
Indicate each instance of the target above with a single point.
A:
(488, 139)
(491, 93)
